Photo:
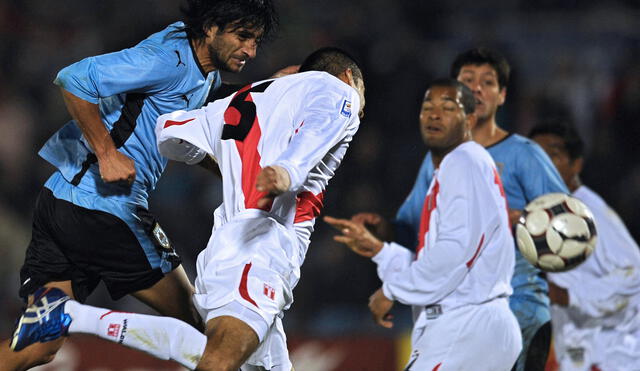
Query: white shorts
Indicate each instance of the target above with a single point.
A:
(247, 269)
(472, 337)
(272, 354)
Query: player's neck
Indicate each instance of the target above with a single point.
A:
(487, 132)
(574, 184)
(438, 154)
(203, 55)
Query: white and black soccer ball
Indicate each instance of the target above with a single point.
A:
(556, 232)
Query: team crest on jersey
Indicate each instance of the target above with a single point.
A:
(161, 237)
(346, 108)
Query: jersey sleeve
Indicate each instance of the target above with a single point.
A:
(141, 69)
(185, 136)
(536, 173)
(407, 221)
(440, 270)
(329, 117)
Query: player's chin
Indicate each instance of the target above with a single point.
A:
(234, 66)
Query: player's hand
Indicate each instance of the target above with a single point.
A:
(289, 70)
(380, 306)
(558, 295)
(355, 236)
(378, 225)
(514, 216)
(116, 167)
(273, 180)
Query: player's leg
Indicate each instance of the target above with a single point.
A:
(153, 274)
(476, 337)
(538, 351)
(532, 315)
(34, 354)
(173, 296)
(230, 343)
(45, 265)
(54, 315)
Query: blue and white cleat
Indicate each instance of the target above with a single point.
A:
(42, 321)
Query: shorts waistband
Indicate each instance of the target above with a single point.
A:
(433, 311)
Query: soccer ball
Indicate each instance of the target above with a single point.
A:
(556, 232)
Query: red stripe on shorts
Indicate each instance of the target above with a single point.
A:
(243, 286)
(437, 366)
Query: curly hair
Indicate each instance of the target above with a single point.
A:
(200, 15)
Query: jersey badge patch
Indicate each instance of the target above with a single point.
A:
(346, 108)
(161, 237)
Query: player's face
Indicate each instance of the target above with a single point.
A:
(230, 48)
(555, 148)
(443, 123)
(483, 82)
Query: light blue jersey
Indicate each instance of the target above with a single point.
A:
(132, 88)
(526, 172)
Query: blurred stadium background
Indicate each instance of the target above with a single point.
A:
(572, 59)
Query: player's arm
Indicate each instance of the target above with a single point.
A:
(439, 271)
(187, 136)
(537, 174)
(327, 123)
(85, 82)
(324, 127)
(114, 166)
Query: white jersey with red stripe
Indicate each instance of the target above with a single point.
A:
(458, 281)
(302, 122)
(465, 253)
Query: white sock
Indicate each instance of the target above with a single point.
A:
(162, 337)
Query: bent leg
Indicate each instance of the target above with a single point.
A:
(173, 296)
(230, 343)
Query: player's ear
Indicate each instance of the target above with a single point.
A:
(347, 77)
(576, 165)
(502, 96)
(211, 31)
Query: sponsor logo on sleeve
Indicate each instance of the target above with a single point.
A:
(346, 108)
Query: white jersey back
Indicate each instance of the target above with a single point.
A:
(302, 122)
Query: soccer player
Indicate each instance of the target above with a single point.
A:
(526, 172)
(596, 304)
(91, 221)
(277, 144)
(457, 281)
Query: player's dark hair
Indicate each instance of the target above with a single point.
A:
(332, 60)
(573, 143)
(467, 99)
(200, 15)
(480, 56)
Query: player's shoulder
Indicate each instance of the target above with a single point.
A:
(514, 143)
(171, 38)
(590, 198)
(465, 157)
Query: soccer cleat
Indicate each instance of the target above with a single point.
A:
(42, 321)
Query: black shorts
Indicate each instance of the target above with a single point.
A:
(86, 246)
